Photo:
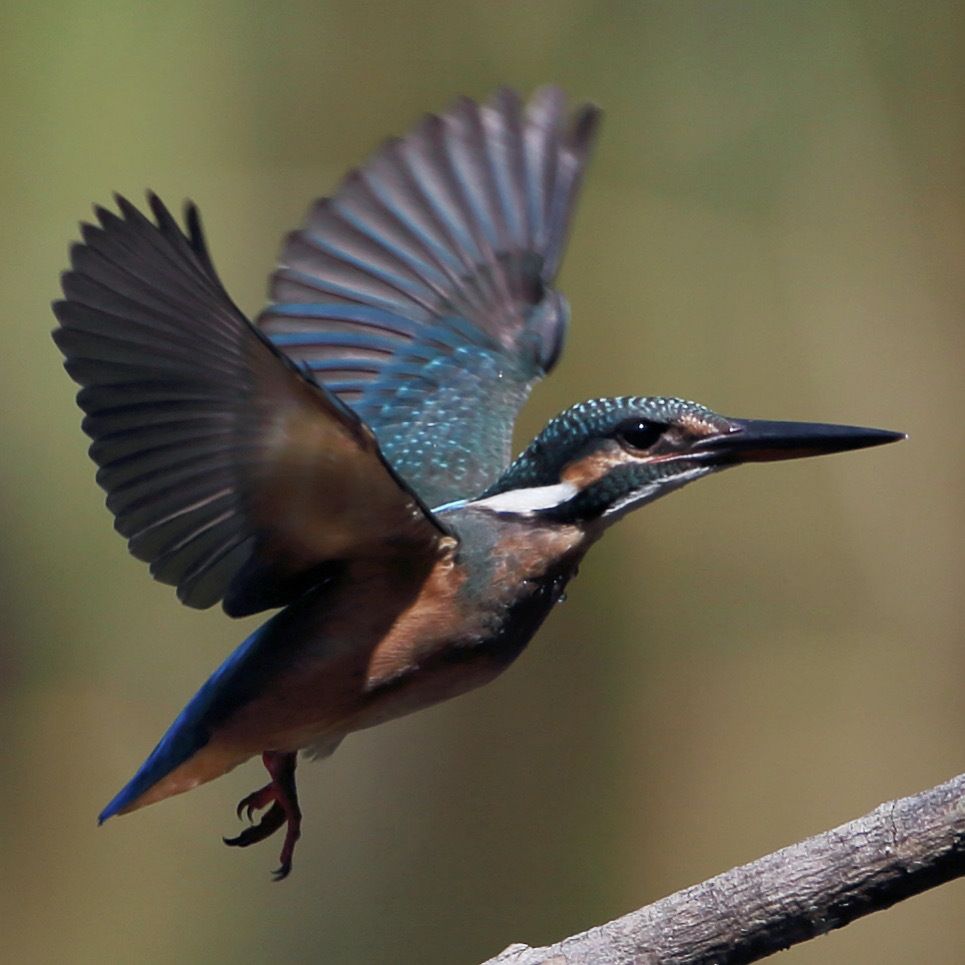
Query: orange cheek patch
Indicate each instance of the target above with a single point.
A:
(594, 466)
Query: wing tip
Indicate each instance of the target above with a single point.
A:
(129, 215)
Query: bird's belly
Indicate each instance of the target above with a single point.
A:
(381, 643)
(393, 638)
(353, 672)
(313, 713)
(349, 685)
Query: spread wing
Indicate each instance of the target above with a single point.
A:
(419, 293)
(228, 471)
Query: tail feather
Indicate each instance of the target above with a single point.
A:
(186, 756)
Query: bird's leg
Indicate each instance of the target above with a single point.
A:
(280, 793)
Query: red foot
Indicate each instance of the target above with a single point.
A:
(281, 795)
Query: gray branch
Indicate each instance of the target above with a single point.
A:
(900, 849)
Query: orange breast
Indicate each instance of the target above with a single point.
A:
(398, 635)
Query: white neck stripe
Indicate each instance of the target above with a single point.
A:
(525, 502)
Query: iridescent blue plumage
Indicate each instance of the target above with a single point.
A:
(419, 293)
(295, 464)
(191, 729)
(561, 439)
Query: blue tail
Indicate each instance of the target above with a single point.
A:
(224, 691)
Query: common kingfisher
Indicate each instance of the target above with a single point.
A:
(346, 457)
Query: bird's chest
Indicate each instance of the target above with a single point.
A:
(476, 612)
(394, 638)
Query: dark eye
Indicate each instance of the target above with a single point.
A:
(639, 434)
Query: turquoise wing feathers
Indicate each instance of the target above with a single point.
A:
(420, 292)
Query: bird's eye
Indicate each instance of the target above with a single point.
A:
(639, 434)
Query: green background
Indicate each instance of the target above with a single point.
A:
(774, 225)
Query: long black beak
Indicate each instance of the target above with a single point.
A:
(756, 440)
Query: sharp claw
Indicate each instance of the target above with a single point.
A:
(271, 821)
(240, 841)
(255, 802)
(282, 797)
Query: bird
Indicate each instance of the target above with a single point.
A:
(346, 458)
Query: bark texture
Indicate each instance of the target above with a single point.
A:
(900, 849)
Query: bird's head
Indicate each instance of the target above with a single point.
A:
(602, 458)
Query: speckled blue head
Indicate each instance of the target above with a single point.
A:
(602, 458)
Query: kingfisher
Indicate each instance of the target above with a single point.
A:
(345, 459)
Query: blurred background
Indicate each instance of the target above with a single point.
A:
(774, 225)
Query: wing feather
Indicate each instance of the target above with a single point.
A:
(230, 473)
(419, 293)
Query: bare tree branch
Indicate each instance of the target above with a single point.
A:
(900, 849)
